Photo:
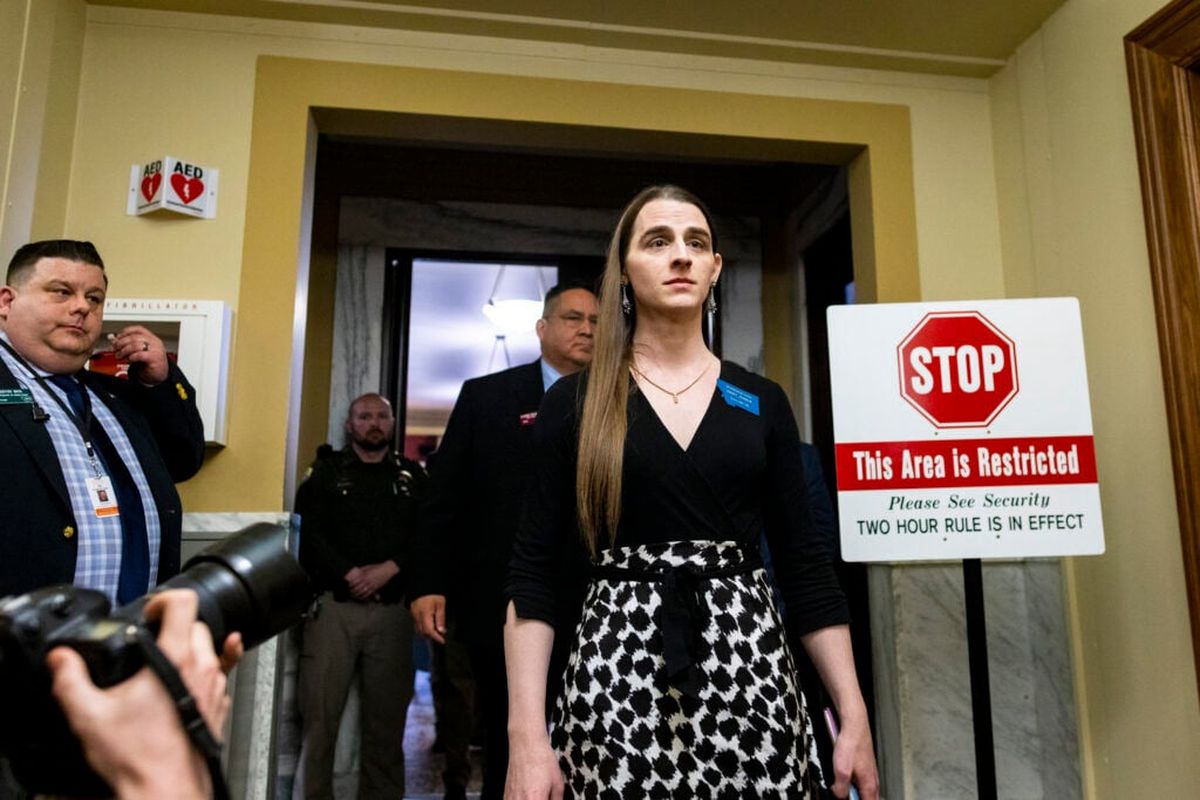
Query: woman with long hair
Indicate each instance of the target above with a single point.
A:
(660, 467)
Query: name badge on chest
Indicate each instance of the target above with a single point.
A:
(737, 397)
(16, 397)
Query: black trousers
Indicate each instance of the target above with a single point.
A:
(491, 693)
(454, 698)
(9, 788)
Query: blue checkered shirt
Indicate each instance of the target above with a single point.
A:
(98, 559)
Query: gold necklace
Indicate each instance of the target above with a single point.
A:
(663, 389)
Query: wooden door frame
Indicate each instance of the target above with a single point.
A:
(1163, 56)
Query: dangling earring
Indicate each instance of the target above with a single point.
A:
(626, 307)
(711, 303)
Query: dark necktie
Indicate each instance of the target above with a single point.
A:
(135, 557)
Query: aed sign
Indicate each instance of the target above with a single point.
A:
(169, 184)
(963, 430)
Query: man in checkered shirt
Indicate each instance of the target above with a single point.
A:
(88, 462)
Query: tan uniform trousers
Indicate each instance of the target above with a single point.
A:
(375, 641)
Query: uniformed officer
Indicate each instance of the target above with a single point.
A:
(357, 507)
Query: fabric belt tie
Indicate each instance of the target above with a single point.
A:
(682, 615)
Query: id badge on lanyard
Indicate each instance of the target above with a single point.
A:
(104, 499)
(99, 486)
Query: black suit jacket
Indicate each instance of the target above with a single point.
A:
(37, 526)
(477, 483)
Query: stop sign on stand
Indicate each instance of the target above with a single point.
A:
(963, 430)
(957, 369)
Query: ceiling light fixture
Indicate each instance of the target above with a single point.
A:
(513, 315)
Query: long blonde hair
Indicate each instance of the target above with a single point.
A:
(603, 423)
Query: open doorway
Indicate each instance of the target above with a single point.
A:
(451, 316)
(389, 204)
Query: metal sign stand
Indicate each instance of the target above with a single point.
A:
(981, 694)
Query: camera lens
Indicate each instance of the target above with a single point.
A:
(247, 583)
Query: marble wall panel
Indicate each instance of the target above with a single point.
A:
(358, 330)
(740, 306)
(923, 682)
(258, 680)
(1033, 709)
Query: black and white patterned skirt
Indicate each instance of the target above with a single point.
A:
(680, 683)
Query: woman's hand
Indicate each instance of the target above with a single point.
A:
(533, 771)
(854, 760)
(853, 756)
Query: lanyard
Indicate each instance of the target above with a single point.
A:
(82, 424)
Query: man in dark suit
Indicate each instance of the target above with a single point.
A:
(477, 484)
(87, 461)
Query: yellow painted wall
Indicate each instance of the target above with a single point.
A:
(40, 50)
(157, 82)
(1024, 185)
(148, 92)
(287, 88)
(1072, 225)
(164, 83)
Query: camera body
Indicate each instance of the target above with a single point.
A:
(34, 733)
(248, 583)
(77, 618)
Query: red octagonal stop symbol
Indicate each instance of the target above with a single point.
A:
(957, 369)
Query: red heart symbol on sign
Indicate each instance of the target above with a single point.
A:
(188, 189)
(150, 185)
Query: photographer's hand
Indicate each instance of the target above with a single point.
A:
(232, 652)
(131, 732)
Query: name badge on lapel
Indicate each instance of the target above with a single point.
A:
(16, 397)
(738, 398)
(527, 418)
